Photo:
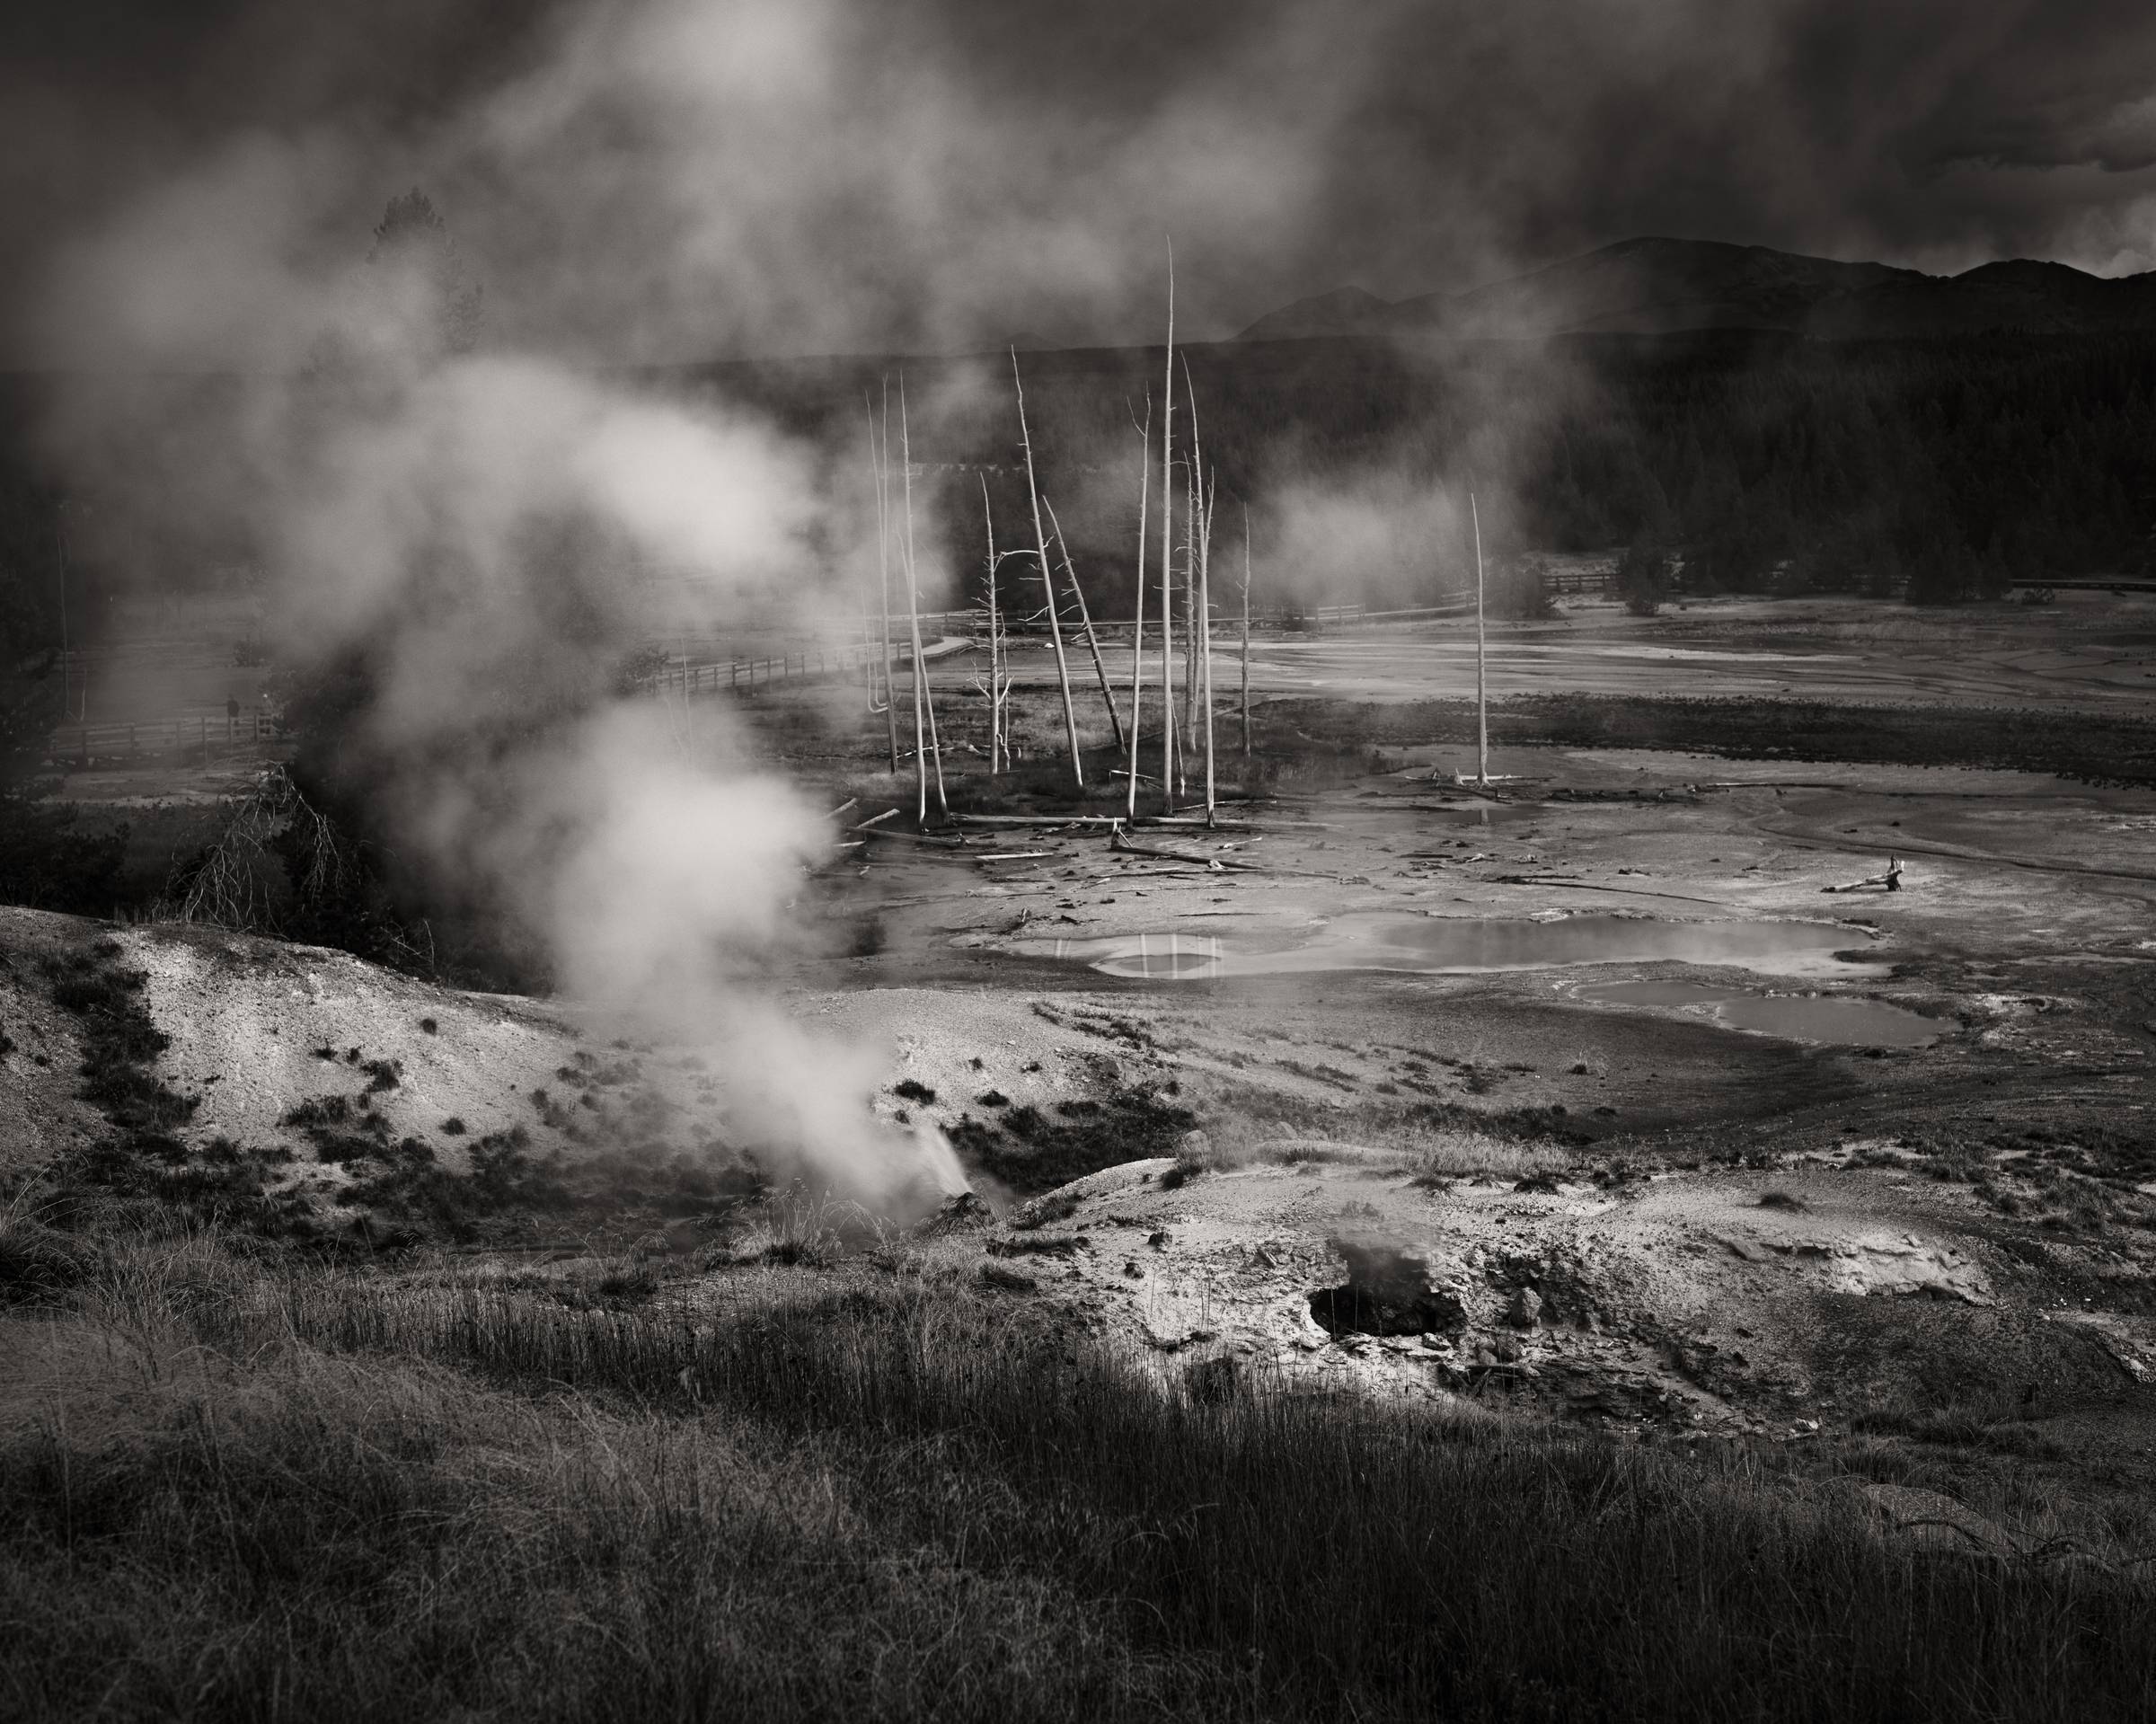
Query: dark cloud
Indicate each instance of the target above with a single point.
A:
(1931, 132)
(102, 99)
(953, 170)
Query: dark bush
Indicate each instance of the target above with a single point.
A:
(1130, 1126)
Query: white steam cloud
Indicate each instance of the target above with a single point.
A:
(660, 179)
(461, 516)
(672, 179)
(1383, 536)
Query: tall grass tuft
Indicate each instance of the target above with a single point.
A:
(330, 1497)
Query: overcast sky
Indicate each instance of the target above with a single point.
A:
(670, 178)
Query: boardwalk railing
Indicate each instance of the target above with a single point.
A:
(202, 736)
(80, 744)
(742, 675)
(756, 673)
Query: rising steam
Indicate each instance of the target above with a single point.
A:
(662, 178)
(467, 521)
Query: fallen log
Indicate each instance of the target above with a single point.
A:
(1890, 881)
(1590, 885)
(1038, 819)
(1049, 821)
(1123, 846)
(925, 838)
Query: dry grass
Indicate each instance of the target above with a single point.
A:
(38, 1261)
(1460, 1155)
(298, 1534)
(235, 1493)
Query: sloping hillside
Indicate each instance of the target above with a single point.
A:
(303, 1094)
(1656, 286)
(42, 1112)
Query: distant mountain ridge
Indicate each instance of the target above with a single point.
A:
(1656, 286)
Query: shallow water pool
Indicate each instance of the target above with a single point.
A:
(1465, 945)
(1795, 1017)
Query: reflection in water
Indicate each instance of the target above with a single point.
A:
(1800, 1017)
(1149, 954)
(1489, 813)
(1676, 994)
(1462, 944)
(1465, 944)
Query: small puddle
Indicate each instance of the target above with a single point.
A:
(1486, 814)
(1794, 1017)
(1464, 945)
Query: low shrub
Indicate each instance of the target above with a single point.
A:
(1033, 1152)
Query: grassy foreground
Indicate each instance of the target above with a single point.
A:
(232, 1491)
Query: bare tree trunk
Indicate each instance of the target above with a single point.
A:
(1246, 639)
(995, 689)
(1205, 625)
(1137, 614)
(881, 458)
(1047, 582)
(1195, 528)
(1193, 514)
(867, 618)
(1167, 560)
(877, 702)
(1085, 617)
(1482, 658)
(925, 702)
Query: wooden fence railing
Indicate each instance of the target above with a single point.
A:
(741, 674)
(80, 744)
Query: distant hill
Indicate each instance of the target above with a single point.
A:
(1653, 287)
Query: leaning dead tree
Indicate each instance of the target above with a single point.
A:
(1203, 491)
(913, 610)
(997, 683)
(1167, 560)
(879, 697)
(1137, 615)
(879, 460)
(1246, 636)
(1197, 639)
(1047, 581)
(1085, 621)
(1192, 517)
(924, 702)
(1000, 679)
(1205, 629)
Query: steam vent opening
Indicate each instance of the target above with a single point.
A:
(1388, 1292)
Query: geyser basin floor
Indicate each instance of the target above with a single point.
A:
(1466, 945)
(1799, 1017)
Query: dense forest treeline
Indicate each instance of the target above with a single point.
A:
(1961, 466)
(1946, 468)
